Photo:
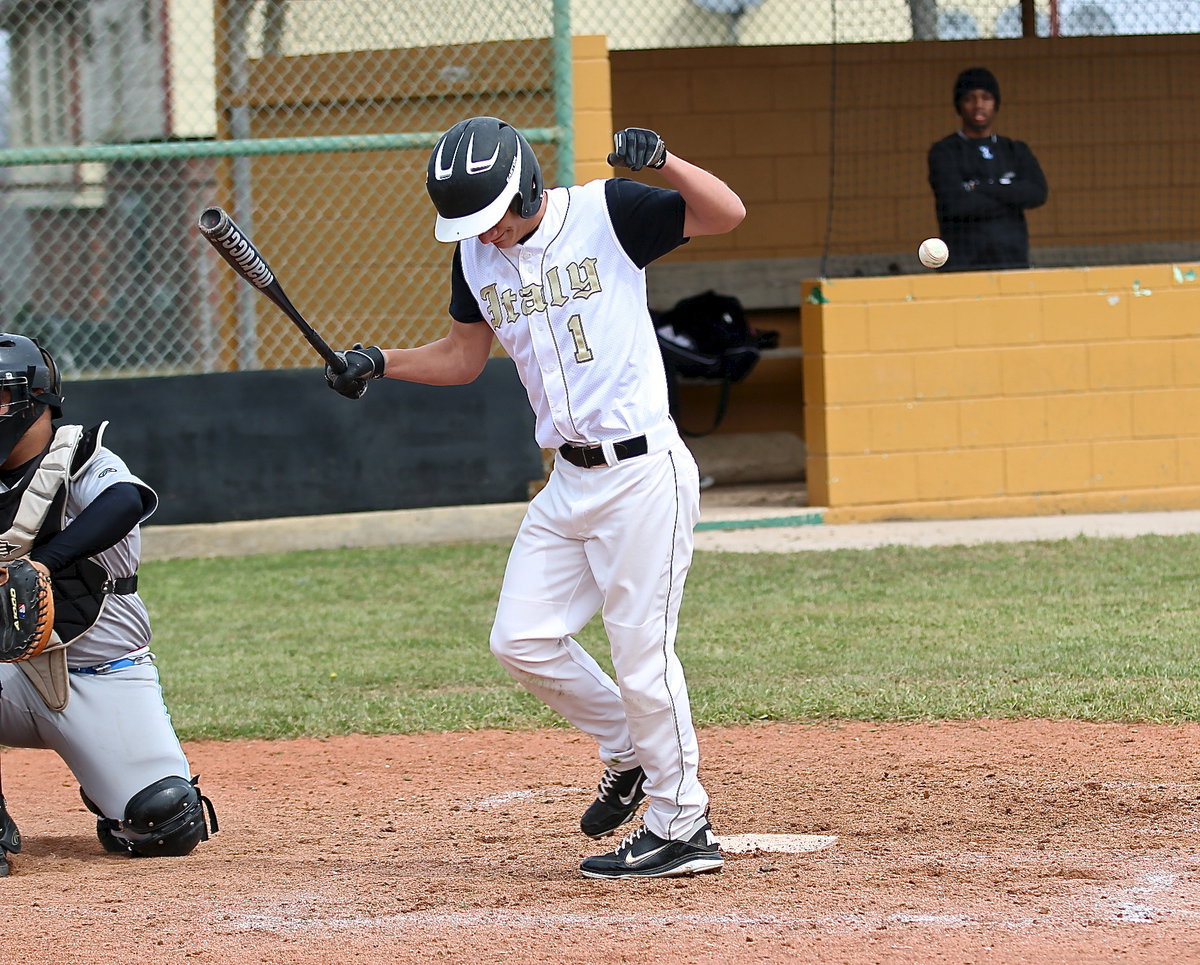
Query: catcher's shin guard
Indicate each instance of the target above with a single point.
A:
(10, 838)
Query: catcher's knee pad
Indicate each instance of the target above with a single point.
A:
(167, 819)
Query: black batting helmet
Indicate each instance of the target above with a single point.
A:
(29, 379)
(475, 171)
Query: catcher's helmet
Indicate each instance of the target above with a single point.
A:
(28, 379)
(475, 171)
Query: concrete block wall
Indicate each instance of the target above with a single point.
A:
(765, 120)
(1003, 393)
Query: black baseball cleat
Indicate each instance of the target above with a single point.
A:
(643, 854)
(109, 841)
(10, 838)
(620, 793)
(104, 830)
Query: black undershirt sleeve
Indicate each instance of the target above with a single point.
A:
(648, 221)
(463, 306)
(103, 523)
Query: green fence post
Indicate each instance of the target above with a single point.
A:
(564, 93)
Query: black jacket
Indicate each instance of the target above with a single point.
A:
(982, 187)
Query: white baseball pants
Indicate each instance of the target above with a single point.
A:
(617, 540)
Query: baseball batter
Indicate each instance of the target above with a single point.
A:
(73, 508)
(558, 278)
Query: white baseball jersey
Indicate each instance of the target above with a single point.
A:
(567, 297)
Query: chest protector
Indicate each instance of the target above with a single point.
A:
(80, 588)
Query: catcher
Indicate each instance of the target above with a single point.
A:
(76, 672)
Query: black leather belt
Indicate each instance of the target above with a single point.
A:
(589, 457)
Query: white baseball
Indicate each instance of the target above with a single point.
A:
(933, 252)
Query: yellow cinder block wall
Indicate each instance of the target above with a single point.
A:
(1003, 393)
(762, 117)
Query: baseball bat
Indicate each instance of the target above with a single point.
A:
(233, 245)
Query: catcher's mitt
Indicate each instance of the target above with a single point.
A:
(26, 611)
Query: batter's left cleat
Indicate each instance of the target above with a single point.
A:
(643, 854)
(617, 799)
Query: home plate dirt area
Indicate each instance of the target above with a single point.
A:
(980, 842)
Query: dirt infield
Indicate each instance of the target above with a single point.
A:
(974, 842)
(1019, 841)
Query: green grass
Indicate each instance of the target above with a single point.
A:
(395, 640)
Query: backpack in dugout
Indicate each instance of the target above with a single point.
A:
(706, 337)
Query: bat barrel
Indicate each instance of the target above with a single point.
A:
(235, 247)
(211, 219)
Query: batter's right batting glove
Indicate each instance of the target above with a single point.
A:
(636, 147)
(361, 364)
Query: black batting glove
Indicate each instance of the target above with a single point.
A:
(361, 364)
(636, 148)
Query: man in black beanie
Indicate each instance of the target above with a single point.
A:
(983, 182)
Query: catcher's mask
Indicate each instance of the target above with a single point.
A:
(28, 380)
(476, 170)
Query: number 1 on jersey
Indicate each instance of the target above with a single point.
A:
(583, 352)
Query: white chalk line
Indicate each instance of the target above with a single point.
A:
(1132, 904)
(776, 843)
(1152, 899)
(508, 797)
(510, 921)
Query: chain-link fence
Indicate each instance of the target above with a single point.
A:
(311, 120)
(166, 105)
